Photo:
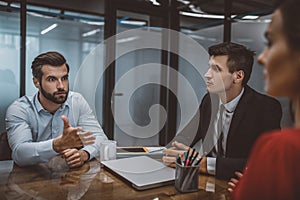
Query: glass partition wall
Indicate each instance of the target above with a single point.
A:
(72, 34)
(137, 81)
(251, 34)
(80, 38)
(10, 59)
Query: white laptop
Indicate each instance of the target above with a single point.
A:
(141, 172)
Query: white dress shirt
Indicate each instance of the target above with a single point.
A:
(227, 117)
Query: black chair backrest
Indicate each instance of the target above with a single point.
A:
(5, 150)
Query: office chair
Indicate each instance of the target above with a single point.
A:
(5, 150)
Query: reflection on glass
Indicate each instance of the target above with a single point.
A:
(34, 182)
(74, 35)
(9, 62)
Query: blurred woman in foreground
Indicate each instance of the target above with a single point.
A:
(273, 168)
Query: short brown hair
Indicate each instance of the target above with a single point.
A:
(48, 58)
(239, 57)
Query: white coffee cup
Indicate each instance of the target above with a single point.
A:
(108, 150)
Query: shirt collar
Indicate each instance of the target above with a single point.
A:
(37, 103)
(230, 106)
(39, 106)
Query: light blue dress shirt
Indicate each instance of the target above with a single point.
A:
(31, 129)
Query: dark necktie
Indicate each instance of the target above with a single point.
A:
(220, 132)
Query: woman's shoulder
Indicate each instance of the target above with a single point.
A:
(284, 138)
(284, 133)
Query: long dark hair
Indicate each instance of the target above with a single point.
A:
(290, 11)
(292, 111)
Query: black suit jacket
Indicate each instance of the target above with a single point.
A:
(254, 115)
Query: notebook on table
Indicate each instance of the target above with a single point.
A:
(141, 172)
(123, 152)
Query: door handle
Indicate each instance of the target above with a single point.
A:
(118, 94)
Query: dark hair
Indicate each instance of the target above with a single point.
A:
(290, 12)
(48, 58)
(239, 57)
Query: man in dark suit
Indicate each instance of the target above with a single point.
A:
(232, 115)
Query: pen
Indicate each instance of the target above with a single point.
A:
(184, 157)
(191, 158)
(199, 159)
(187, 157)
(194, 157)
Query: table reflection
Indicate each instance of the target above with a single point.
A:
(71, 183)
(54, 180)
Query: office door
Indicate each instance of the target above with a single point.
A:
(136, 94)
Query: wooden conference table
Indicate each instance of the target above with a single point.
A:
(91, 181)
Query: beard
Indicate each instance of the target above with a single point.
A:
(53, 98)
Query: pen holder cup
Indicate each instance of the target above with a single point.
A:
(186, 178)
